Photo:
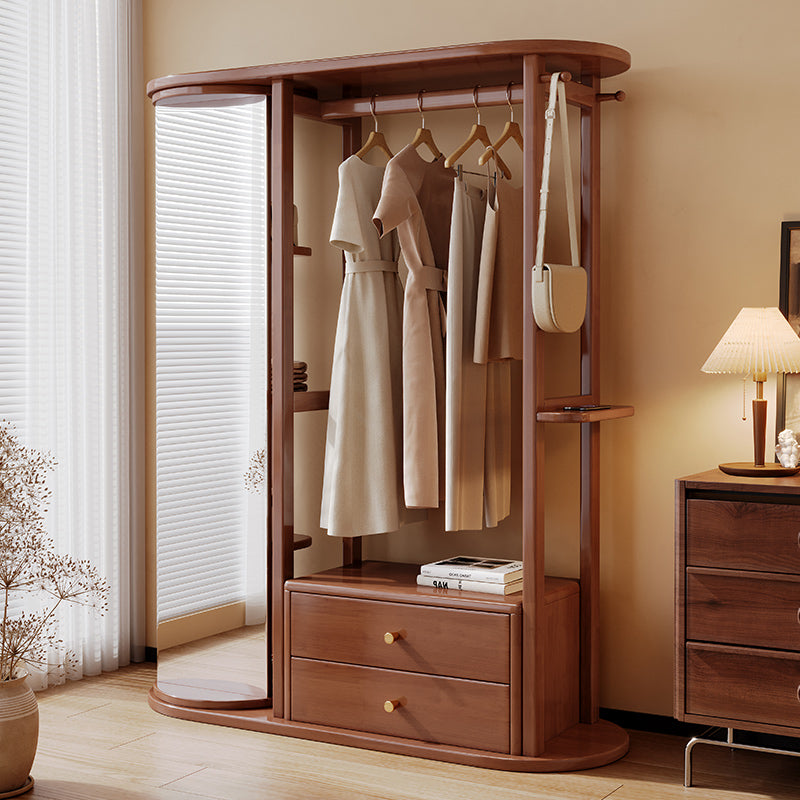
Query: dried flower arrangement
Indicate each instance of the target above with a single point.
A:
(254, 479)
(30, 565)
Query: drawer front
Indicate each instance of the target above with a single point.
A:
(750, 611)
(441, 641)
(432, 709)
(737, 684)
(753, 536)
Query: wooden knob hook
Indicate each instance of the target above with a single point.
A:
(391, 705)
(618, 96)
(392, 636)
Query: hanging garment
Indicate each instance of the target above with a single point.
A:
(497, 460)
(465, 396)
(498, 337)
(416, 200)
(362, 489)
(498, 332)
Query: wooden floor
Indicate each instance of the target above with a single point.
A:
(101, 741)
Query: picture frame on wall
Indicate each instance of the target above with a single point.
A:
(787, 414)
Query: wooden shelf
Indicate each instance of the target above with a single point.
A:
(302, 251)
(311, 401)
(301, 541)
(597, 415)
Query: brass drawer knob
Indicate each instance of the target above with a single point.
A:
(391, 705)
(392, 636)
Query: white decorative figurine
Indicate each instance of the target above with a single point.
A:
(787, 449)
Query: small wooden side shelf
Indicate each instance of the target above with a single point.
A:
(311, 401)
(593, 415)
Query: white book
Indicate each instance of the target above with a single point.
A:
(470, 568)
(469, 586)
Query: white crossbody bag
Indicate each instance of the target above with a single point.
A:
(558, 290)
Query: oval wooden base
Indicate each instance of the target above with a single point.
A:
(26, 787)
(579, 747)
(221, 695)
(749, 470)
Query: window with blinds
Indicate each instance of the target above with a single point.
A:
(210, 349)
(13, 206)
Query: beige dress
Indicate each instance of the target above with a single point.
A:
(416, 200)
(362, 489)
(498, 333)
(498, 338)
(465, 396)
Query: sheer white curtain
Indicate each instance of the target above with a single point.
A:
(70, 289)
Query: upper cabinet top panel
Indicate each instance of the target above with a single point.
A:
(438, 68)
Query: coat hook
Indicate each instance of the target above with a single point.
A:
(603, 96)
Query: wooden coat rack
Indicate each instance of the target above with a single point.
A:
(541, 671)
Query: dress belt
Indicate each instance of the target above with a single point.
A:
(370, 266)
(432, 278)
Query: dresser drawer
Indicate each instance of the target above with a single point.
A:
(753, 610)
(434, 709)
(751, 536)
(441, 641)
(739, 684)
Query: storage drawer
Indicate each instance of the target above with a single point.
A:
(442, 641)
(752, 610)
(743, 685)
(753, 536)
(434, 709)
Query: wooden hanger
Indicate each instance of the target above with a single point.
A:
(477, 134)
(511, 131)
(375, 138)
(423, 135)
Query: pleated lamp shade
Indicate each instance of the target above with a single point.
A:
(759, 341)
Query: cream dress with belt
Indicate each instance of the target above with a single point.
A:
(362, 484)
(416, 201)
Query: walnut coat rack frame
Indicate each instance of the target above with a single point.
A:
(548, 687)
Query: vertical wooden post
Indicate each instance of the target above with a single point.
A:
(533, 655)
(590, 431)
(268, 456)
(281, 353)
(351, 143)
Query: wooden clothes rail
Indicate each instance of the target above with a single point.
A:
(539, 735)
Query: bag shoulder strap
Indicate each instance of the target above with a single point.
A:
(557, 94)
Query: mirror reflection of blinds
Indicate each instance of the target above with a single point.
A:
(210, 348)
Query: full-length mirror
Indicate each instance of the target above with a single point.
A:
(211, 390)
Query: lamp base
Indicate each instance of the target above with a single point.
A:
(750, 470)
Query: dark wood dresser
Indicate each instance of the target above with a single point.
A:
(737, 602)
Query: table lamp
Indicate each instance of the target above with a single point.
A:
(759, 341)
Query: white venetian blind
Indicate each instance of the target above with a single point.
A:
(13, 202)
(210, 349)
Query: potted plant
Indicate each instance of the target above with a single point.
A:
(35, 581)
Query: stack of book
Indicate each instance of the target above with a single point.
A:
(473, 574)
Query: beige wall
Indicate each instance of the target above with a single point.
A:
(698, 173)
